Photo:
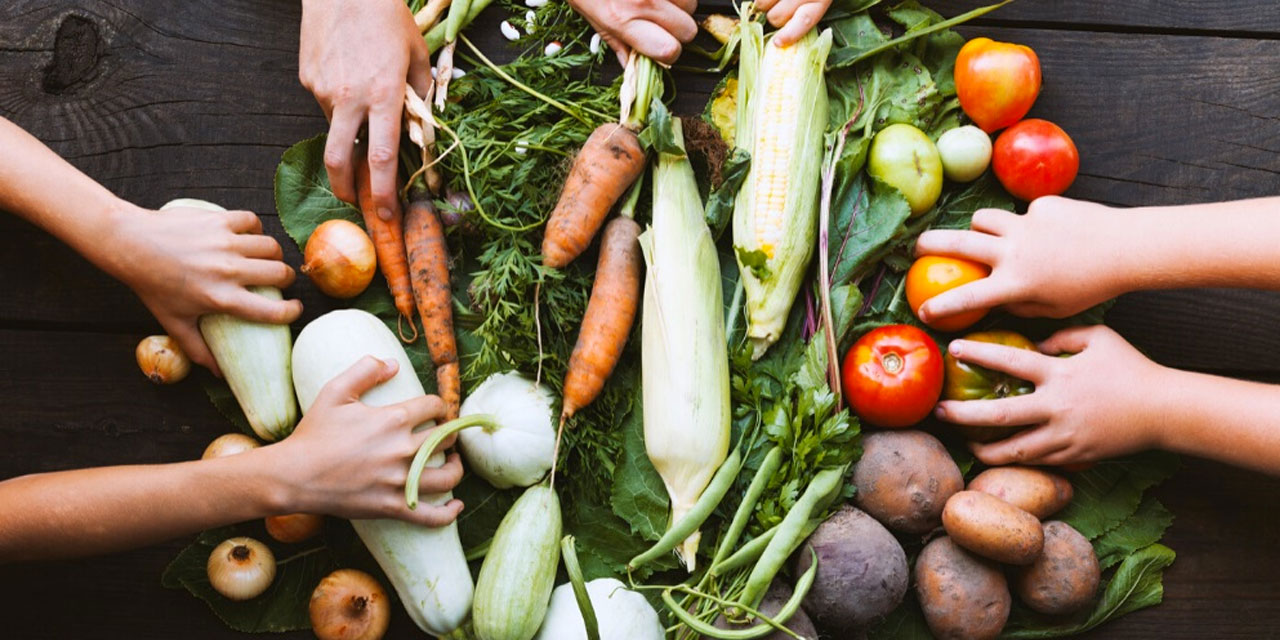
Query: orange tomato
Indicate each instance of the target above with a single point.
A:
(931, 275)
(997, 82)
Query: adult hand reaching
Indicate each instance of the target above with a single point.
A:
(793, 18)
(355, 56)
(655, 28)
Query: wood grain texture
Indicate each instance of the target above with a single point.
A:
(159, 100)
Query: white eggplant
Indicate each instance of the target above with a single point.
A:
(426, 566)
(254, 357)
(520, 452)
(621, 614)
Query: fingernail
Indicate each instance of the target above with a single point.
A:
(955, 348)
(384, 213)
(939, 412)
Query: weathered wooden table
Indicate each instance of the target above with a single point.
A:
(1169, 102)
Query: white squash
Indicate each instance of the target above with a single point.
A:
(426, 566)
(621, 614)
(254, 357)
(520, 453)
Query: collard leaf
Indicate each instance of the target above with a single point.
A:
(1111, 492)
(908, 92)
(639, 496)
(867, 214)
(852, 35)
(304, 198)
(606, 544)
(1142, 529)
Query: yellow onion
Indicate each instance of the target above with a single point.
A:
(162, 360)
(229, 444)
(241, 568)
(339, 258)
(349, 605)
(294, 527)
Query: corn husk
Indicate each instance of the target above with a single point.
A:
(685, 366)
(774, 269)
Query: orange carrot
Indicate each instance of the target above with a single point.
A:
(388, 244)
(429, 274)
(608, 163)
(610, 313)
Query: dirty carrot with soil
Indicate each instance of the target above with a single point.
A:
(610, 160)
(429, 275)
(388, 244)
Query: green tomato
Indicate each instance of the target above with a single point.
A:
(905, 158)
(966, 152)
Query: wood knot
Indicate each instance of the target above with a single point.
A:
(77, 49)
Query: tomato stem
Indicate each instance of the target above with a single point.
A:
(892, 363)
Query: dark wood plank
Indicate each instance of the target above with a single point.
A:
(1257, 18)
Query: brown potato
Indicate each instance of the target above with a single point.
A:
(862, 571)
(1033, 490)
(1066, 575)
(993, 528)
(963, 597)
(904, 478)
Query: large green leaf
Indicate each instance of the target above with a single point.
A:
(639, 496)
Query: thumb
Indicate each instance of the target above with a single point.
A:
(188, 336)
(362, 376)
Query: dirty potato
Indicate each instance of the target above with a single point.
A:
(904, 478)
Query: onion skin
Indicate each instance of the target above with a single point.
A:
(162, 360)
(229, 444)
(241, 568)
(294, 527)
(339, 259)
(349, 605)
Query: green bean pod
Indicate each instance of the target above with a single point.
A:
(720, 484)
(747, 554)
(768, 467)
(791, 533)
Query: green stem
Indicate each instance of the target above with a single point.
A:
(530, 90)
(707, 502)
(908, 37)
(772, 461)
(438, 436)
(569, 553)
(436, 36)
(628, 208)
(647, 83)
(479, 551)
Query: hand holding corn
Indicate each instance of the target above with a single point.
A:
(655, 28)
(793, 18)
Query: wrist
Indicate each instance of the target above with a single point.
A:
(109, 246)
(275, 489)
(1164, 386)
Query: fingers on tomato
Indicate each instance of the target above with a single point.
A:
(932, 275)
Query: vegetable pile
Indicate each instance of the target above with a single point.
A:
(709, 466)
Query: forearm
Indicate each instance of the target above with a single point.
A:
(92, 511)
(1226, 244)
(38, 185)
(1232, 421)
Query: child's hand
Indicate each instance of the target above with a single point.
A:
(1099, 403)
(655, 28)
(351, 460)
(794, 18)
(1052, 262)
(185, 262)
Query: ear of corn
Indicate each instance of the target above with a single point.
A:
(782, 116)
(685, 367)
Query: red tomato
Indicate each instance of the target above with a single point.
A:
(1035, 158)
(892, 376)
(997, 82)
